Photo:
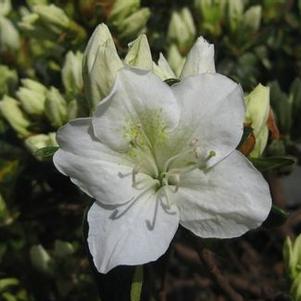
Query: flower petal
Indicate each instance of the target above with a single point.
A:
(93, 167)
(127, 237)
(200, 59)
(226, 201)
(212, 111)
(139, 101)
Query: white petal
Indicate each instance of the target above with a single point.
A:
(126, 237)
(212, 111)
(200, 59)
(92, 166)
(228, 200)
(139, 99)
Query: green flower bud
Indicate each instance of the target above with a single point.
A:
(36, 142)
(122, 9)
(72, 73)
(52, 16)
(11, 111)
(8, 80)
(5, 7)
(40, 259)
(134, 24)
(33, 102)
(181, 29)
(100, 65)
(9, 36)
(34, 85)
(257, 112)
(162, 69)
(175, 59)
(72, 109)
(63, 248)
(235, 13)
(56, 108)
(139, 54)
(292, 256)
(296, 288)
(212, 13)
(252, 17)
(31, 3)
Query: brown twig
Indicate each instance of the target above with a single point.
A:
(209, 260)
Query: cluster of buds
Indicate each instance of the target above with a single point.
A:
(9, 35)
(51, 23)
(214, 13)
(101, 63)
(292, 259)
(36, 111)
(128, 18)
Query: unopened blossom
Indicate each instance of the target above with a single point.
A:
(154, 156)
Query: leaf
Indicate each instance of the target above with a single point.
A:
(272, 163)
(137, 282)
(46, 152)
(276, 218)
(7, 282)
(172, 81)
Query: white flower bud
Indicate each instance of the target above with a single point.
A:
(162, 69)
(200, 59)
(52, 15)
(139, 54)
(72, 73)
(252, 17)
(181, 29)
(32, 102)
(122, 9)
(100, 65)
(235, 13)
(5, 7)
(9, 36)
(175, 59)
(56, 108)
(11, 111)
(40, 259)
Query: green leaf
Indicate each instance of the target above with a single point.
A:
(7, 282)
(46, 152)
(137, 282)
(272, 163)
(276, 218)
(172, 81)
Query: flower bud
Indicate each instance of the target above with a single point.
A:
(252, 17)
(32, 102)
(181, 29)
(134, 24)
(40, 259)
(139, 54)
(11, 111)
(5, 7)
(162, 69)
(257, 112)
(9, 36)
(100, 65)
(63, 248)
(36, 142)
(296, 288)
(235, 13)
(8, 80)
(122, 9)
(175, 59)
(200, 59)
(52, 16)
(72, 73)
(34, 85)
(56, 108)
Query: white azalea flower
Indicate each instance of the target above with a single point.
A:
(154, 157)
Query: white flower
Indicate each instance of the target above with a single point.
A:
(154, 157)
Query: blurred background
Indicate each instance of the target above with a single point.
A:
(42, 254)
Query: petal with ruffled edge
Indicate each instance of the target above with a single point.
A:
(139, 102)
(212, 112)
(134, 234)
(226, 201)
(92, 166)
